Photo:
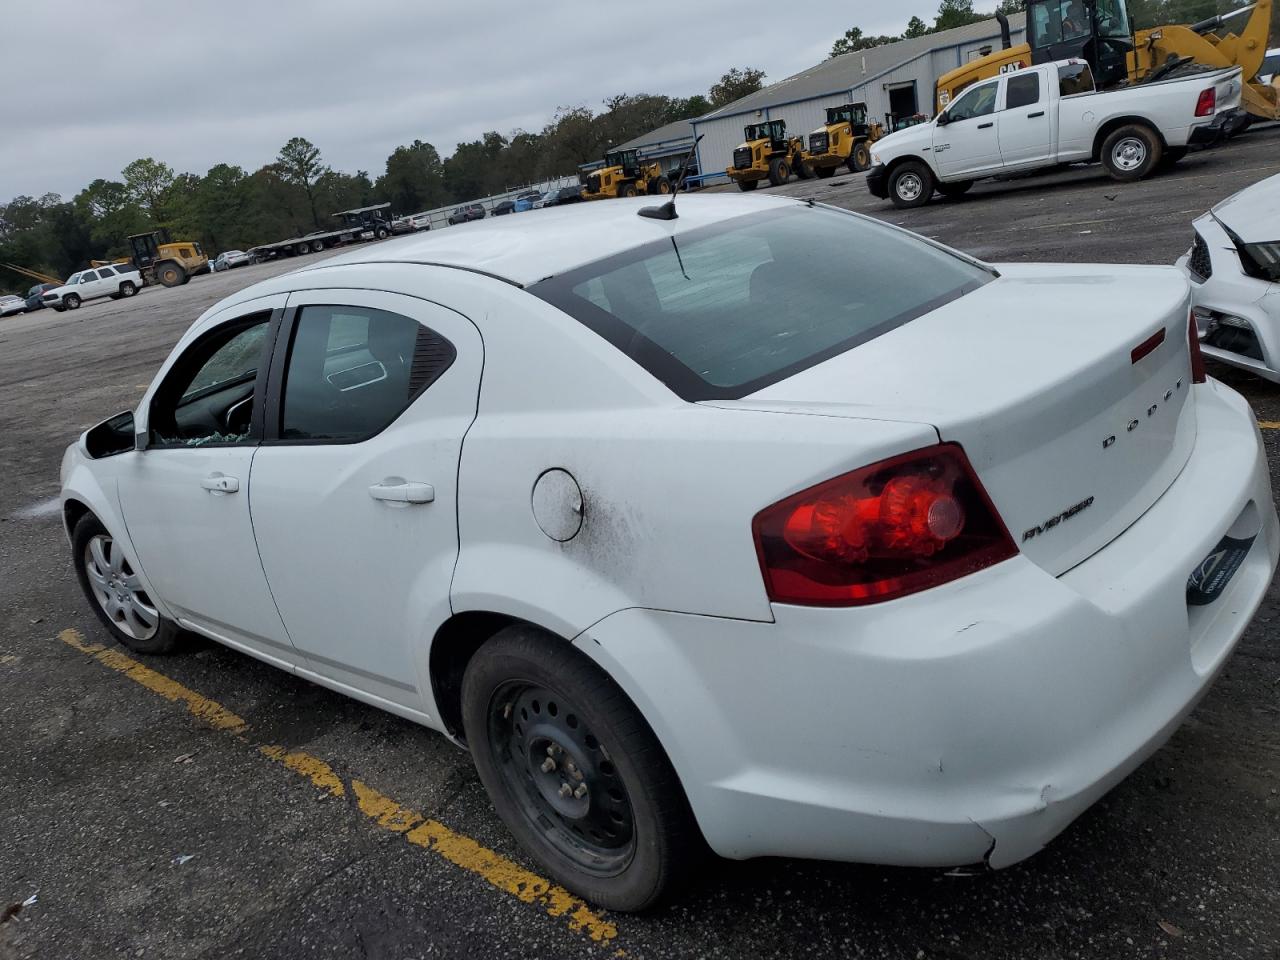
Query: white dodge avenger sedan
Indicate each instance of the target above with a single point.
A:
(769, 526)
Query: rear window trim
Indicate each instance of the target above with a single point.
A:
(670, 371)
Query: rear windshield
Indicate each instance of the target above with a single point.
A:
(724, 311)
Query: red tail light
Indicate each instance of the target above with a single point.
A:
(1207, 103)
(1197, 358)
(882, 532)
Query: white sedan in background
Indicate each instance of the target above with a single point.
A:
(771, 525)
(1234, 267)
(230, 259)
(10, 305)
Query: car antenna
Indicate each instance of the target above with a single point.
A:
(668, 210)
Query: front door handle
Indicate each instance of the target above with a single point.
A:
(984, 126)
(1038, 113)
(220, 483)
(394, 490)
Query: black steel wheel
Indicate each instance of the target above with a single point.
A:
(575, 772)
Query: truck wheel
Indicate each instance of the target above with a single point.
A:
(627, 190)
(302, 248)
(71, 301)
(1131, 152)
(575, 772)
(127, 289)
(802, 169)
(381, 233)
(660, 186)
(825, 173)
(170, 274)
(956, 190)
(860, 159)
(911, 185)
(779, 171)
(745, 185)
(317, 246)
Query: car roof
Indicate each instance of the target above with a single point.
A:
(524, 251)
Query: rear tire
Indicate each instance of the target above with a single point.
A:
(627, 190)
(779, 171)
(660, 186)
(746, 185)
(317, 246)
(1131, 152)
(127, 289)
(860, 158)
(911, 185)
(71, 301)
(115, 593)
(541, 717)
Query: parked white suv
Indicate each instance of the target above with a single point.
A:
(115, 281)
(1050, 114)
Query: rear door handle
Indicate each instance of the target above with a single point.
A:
(984, 126)
(220, 483)
(1038, 113)
(402, 491)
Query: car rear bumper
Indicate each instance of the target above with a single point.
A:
(1222, 127)
(878, 182)
(1229, 297)
(972, 722)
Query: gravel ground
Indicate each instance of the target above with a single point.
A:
(106, 786)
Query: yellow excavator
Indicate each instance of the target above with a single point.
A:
(1101, 32)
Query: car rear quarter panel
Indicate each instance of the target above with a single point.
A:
(669, 488)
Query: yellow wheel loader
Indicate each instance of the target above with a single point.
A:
(767, 154)
(624, 175)
(1101, 32)
(162, 260)
(844, 140)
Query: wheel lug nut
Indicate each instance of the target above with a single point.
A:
(581, 791)
(565, 790)
(548, 765)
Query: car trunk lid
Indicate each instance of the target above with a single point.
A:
(1067, 386)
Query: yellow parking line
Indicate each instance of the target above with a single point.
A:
(381, 810)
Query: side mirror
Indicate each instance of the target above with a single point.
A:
(112, 436)
(943, 119)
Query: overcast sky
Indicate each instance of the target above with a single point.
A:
(88, 88)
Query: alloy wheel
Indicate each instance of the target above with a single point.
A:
(118, 590)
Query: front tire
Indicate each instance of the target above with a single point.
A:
(911, 185)
(860, 158)
(779, 171)
(115, 592)
(1131, 152)
(71, 301)
(575, 772)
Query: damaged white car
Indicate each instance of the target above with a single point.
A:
(1234, 267)
(768, 525)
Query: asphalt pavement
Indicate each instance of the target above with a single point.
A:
(207, 805)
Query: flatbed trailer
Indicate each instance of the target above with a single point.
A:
(359, 225)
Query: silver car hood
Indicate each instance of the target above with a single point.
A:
(1253, 214)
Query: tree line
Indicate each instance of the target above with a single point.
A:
(231, 208)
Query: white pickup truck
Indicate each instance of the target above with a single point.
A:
(1052, 114)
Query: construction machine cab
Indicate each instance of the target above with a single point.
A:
(146, 247)
(1096, 31)
(854, 114)
(775, 131)
(628, 160)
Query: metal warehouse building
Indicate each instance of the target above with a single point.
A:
(897, 78)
